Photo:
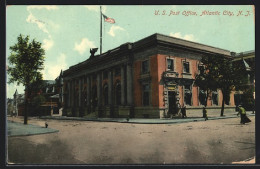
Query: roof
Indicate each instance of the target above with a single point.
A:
(157, 39)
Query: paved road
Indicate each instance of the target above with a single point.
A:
(90, 142)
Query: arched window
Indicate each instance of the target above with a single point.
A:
(105, 89)
(118, 93)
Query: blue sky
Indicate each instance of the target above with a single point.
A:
(68, 32)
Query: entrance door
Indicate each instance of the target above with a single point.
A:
(172, 102)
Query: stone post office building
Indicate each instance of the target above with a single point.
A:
(147, 78)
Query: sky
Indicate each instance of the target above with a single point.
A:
(67, 32)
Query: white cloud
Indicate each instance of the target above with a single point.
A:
(96, 8)
(113, 29)
(52, 70)
(47, 44)
(83, 45)
(41, 25)
(48, 7)
(189, 37)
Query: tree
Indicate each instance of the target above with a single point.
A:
(26, 61)
(218, 74)
(206, 78)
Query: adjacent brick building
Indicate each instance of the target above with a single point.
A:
(148, 78)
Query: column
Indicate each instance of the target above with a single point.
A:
(80, 88)
(110, 86)
(123, 85)
(69, 93)
(99, 97)
(129, 84)
(88, 90)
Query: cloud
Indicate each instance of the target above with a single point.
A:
(41, 25)
(83, 45)
(96, 8)
(47, 44)
(189, 37)
(52, 70)
(48, 7)
(113, 29)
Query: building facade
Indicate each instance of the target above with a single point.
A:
(150, 78)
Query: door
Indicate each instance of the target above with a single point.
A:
(172, 102)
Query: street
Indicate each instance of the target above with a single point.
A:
(221, 141)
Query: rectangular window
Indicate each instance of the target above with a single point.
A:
(187, 95)
(170, 64)
(146, 95)
(215, 98)
(145, 66)
(200, 69)
(186, 67)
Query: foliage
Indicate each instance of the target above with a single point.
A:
(218, 73)
(25, 63)
(37, 101)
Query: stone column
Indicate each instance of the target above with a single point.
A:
(68, 95)
(88, 90)
(123, 85)
(99, 89)
(129, 85)
(80, 88)
(110, 86)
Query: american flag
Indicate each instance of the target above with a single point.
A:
(107, 19)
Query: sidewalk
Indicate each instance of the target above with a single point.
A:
(19, 129)
(145, 121)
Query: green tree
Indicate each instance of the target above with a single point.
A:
(25, 63)
(218, 74)
(206, 78)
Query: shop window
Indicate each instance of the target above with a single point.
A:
(145, 66)
(146, 95)
(215, 98)
(186, 67)
(187, 94)
(170, 64)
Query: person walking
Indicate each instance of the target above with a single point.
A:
(183, 112)
(243, 118)
(205, 115)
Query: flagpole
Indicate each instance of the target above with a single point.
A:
(100, 29)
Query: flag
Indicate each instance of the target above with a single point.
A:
(107, 19)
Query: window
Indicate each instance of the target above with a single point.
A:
(187, 95)
(146, 95)
(170, 64)
(186, 67)
(215, 98)
(117, 71)
(145, 66)
(200, 69)
(202, 97)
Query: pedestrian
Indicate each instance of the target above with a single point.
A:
(243, 118)
(205, 115)
(183, 111)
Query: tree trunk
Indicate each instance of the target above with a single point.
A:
(26, 111)
(223, 104)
